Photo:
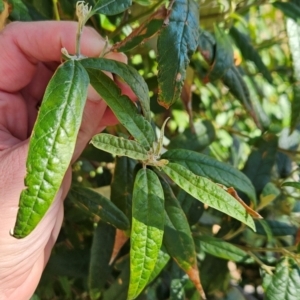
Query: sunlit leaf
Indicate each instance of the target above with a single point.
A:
(147, 229)
(52, 143)
(293, 31)
(285, 283)
(219, 172)
(119, 146)
(123, 108)
(207, 192)
(130, 75)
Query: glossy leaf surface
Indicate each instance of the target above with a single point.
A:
(52, 144)
(219, 172)
(130, 75)
(123, 108)
(285, 283)
(119, 146)
(207, 192)
(97, 205)
(147, 229)
(176, 42)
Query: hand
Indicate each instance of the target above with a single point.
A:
(29, 54)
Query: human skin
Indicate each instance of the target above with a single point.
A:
(29, 54)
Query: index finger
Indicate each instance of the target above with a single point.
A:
(24, 45)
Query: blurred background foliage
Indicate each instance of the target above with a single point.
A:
(240, 104)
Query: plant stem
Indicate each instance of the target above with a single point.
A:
(78, 39)
(55, 10)
(267, 268)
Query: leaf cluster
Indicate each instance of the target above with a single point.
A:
(165, 205)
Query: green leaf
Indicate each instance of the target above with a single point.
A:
(292, 184)
(207, 45)
(203, 136)
(290, 10)
(118, 289)
(249, 52)
(178, 237)
(238, 88)
(285, 283)
(122, 186)
(52, 144)
(19, 11)
(277, 228)
(179, 280)
(73, 263)
(261, 161)
(223, 59)
(162, 259)
(1, 6)
(192, 208)
(42, 7)
(111, 7)
(293, 31)
(119, 146)
(207, 192)
(222, 249)
(129, 74)
(203, 165)
(177, 234)
(123, 108)
(100, 269)
(176, 43)
(147, 229)
(97, 205)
